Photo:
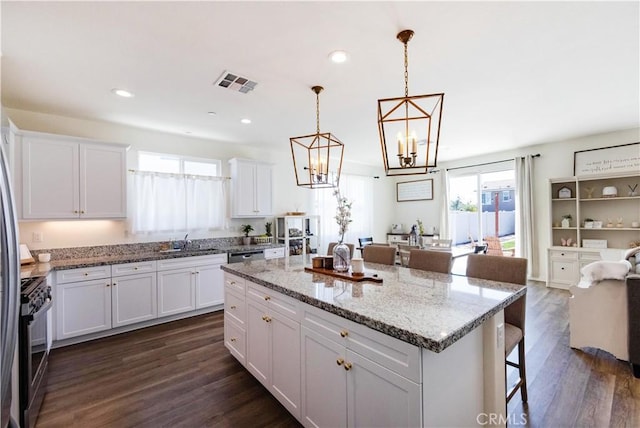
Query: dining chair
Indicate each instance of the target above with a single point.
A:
(333, 244)
(513, 270)
(434, 261)
(403, 252)
(382, 254)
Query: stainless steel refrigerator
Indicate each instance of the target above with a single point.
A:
(9, 285)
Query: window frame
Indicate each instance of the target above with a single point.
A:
(181, 161)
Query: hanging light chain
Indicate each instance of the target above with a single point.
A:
(318, 112)
(406, 68)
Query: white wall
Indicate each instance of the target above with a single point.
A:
(287, 196)
(555, 161)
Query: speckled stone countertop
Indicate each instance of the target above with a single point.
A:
(427, 309)
(76, 260)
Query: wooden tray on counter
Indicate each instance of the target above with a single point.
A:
(344, 275)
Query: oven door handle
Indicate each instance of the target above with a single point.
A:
(43, 309)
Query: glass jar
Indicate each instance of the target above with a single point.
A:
(341, 258)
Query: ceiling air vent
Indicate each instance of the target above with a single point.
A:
(235, 82)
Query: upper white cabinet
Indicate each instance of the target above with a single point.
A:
(66, 177)
(251, 188)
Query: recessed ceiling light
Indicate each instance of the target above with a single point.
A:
(246, 121)
(211, 113)
(187, 132)
(122, 92)
(338, 56)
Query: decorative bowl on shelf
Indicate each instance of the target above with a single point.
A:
(609, 192)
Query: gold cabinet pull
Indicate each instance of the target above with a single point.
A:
(86, 274)
(233, 306)
(82, 212)
(347, 366)
(267, 298)
(339, 361)
(233, 339)
(135, 268)
(108, 285)
(344, 333)
(268, 319)
(75, 211)
(232, 282)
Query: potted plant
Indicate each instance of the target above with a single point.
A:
(267, 228)
(588, 223)
(566, 220)
(246, 228)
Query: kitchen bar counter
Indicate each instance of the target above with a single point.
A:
(426, 309)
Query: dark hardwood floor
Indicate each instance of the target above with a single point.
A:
(180, 374)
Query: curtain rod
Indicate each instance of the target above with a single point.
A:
(537, 155)
(217, 177)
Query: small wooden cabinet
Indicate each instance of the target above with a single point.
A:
(251, 188)
(299, 234)
(87, 179)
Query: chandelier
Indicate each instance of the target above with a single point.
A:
(317, 158)
(409, 126)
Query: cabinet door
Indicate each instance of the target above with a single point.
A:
(83, 307)
(176, 291)
(263, 192)
(102, 181)
(324, 381)
(258, 342)
(50, 178)
(378, 397)
(285, 362)
(235, 339)
(134, 298)
(209, 286)
(244, 190)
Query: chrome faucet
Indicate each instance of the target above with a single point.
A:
(185, 242)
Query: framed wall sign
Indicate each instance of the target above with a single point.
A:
(419, 190)
(607, 160)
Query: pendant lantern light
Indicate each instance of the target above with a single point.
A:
(317, 158)
(409, 126)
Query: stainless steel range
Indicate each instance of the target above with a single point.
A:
(34, 340)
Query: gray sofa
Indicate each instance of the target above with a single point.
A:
(633, 306)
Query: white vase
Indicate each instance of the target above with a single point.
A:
(246, 240)
(566, 223)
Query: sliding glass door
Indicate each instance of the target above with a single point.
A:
(482, 205)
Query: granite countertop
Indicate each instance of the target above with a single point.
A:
(427, 309)
(41, 269)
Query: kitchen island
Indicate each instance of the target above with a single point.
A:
(419, 349)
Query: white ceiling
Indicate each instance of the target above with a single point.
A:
(513, 73)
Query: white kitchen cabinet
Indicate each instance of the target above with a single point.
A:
(82, 307)
(210, 283)
(273, 344)
(134, 299)
(67, 177)
(251, 188)
(176, 291)
(188, 283)
(235, 317)
(374, 379)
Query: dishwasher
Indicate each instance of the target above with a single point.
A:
(245, 255)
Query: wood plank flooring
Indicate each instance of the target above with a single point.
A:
(180, 374)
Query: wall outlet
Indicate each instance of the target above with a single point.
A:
(37, 237)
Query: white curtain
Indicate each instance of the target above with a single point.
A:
(444, 206)
(176, 202)
(358, 190)
(526, 244)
